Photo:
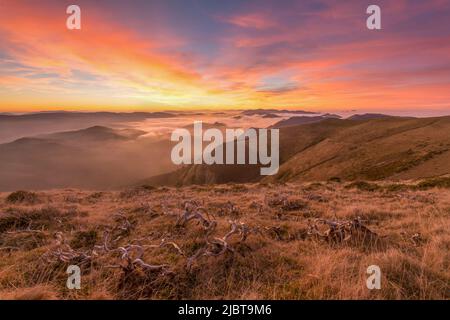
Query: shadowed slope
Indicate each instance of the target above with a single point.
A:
(293, 139)
(382, 148)
(96, 157)
(13, 127)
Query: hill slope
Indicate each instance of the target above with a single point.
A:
(374, 149)
(13, 127)
(388, 148)
(273, 252)
(96, 157)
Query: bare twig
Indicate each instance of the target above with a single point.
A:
(191, 212)
(65, 253)
(218, 246)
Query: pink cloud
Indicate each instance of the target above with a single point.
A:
(251, 20)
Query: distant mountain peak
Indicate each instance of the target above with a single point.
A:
(299, 120)
(262, 112)
(368, 116)
(96, 133)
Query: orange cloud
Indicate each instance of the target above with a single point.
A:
(319, 59)
(114, 55)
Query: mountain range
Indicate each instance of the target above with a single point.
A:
(314, 148)
(367, 148)
(94, 158)
(14, 126)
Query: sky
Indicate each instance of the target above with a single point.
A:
(141, 55)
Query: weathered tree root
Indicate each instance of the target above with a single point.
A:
(65, 253)
(131, 263)
(131, 255)
(123, 228)
(417, 239)
(341, 231)
(194, 212)
(218, 246)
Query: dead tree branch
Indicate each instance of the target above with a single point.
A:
(340, 231)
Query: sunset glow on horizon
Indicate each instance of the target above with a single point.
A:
(194, 54)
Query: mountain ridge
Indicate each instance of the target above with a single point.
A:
(373, 149)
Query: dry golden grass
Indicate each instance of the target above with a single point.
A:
(279, 259)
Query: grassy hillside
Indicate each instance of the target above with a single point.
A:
(293, 140)
(235, 241)
(391, 148)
